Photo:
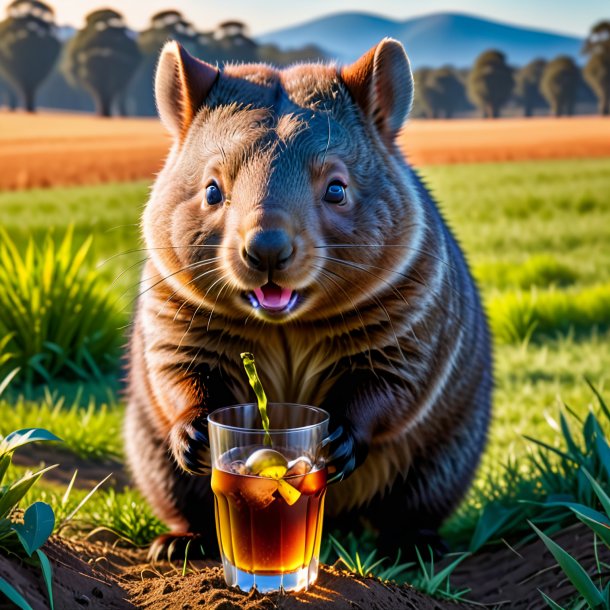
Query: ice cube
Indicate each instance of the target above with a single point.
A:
(299, 466)
(258, 491)
(238, 467)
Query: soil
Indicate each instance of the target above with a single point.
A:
(90, 472)
(100, 575)
(54, 149)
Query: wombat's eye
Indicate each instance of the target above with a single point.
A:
(213, 194)
(335, 193)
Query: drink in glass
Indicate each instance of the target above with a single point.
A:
(269, 494)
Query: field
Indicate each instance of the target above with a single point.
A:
(62, 149)
(536, 233)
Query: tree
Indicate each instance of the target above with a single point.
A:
(597, 70)
(29, 47)
(164, 26)
(272, 54)
(438, 92)
(490, 83)
(527, 86)
(449, 90)
(102, 58)
(234, 43)
(559, 85)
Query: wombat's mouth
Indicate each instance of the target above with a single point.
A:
(273, 298)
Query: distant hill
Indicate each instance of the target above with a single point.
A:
(431, 40)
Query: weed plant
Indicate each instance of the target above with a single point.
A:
(22, 534)
(59, 318)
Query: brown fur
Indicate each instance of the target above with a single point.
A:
(390, 334)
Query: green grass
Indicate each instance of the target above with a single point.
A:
(111, 213)
(92, 431)
(57, 318)
(536, 234)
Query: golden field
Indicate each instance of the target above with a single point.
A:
(53, 149)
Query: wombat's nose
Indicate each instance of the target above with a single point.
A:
(268, 250)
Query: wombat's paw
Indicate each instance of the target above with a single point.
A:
(176, 545)
(190, 444)
(344, 453)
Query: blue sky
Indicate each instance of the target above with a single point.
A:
(569, 16)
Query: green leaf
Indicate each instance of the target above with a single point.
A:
(14, 595)
(573, 570)
(603, 453)
(13, 495)
(47, 574)
(83, 501)
(445, 573)
(5, 462)
(23, 437)
(493, 517)
(7, 380)
(599, 527)
(599, 492)
(600, 399)
(567, 435)
(37, 526)
(344, 556)
(550, 448)
(550, 602)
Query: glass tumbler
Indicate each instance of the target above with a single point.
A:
(269, 494)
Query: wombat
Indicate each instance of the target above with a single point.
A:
(287, 223)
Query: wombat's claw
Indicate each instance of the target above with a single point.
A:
(192, 448)
(196, 455)
(343, 454)
(174, 546)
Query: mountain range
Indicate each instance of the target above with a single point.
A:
(432, 40)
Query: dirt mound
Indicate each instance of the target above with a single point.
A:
(47, 150)
(76, 583)
(96, 575)
(100, 575)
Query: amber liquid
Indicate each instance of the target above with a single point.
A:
(258, 531)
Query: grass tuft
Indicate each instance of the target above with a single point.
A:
(517, 316)
(540, 270)
(60, 319)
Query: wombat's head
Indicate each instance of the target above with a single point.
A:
(284, 195)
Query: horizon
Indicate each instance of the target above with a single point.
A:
(269, 15)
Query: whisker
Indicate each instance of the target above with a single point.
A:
(196, 312)
(403, 246)
(216, 301)
(332, 259)
(325, 272)
(135, 250)
(392, 287)
(382, 306)
(191, 281)
(445, 310)
(332, 330)
(163, 279)
(120, 275)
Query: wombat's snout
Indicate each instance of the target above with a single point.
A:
(268, 250)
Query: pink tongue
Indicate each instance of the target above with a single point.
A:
(271, 296)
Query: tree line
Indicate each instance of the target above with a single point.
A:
(107, 62)
(491, 83)
(110, 67)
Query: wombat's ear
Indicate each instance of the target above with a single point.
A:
(182, 83)
(381, 83)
